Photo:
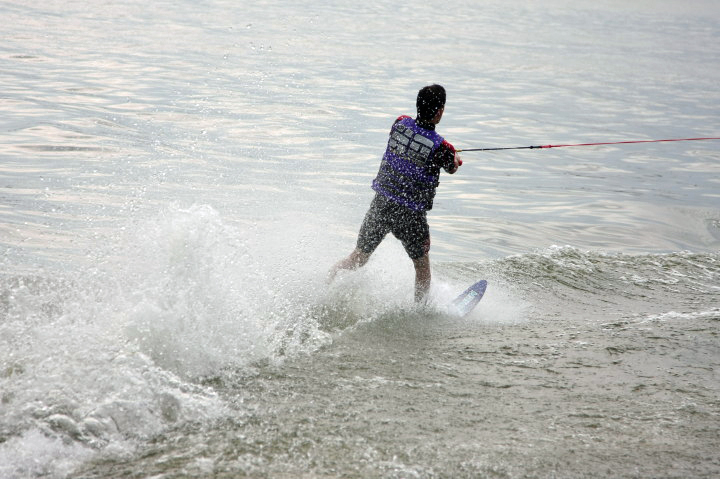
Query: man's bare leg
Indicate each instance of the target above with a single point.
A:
(356, 259)
(422, 277)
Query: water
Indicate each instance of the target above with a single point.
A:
(177, 178)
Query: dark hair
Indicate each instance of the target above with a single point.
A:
(429, 101)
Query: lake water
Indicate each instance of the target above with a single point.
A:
(176, 179)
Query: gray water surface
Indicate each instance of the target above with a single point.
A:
(177, 178)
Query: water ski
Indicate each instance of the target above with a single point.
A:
(469, 298)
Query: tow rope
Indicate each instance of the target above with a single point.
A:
(583, 144)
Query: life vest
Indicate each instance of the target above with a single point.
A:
(408, 174)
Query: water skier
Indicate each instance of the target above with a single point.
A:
(405, 187)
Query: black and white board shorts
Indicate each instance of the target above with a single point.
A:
(385, 216)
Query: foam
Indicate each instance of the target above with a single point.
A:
(679, 316)
(34, 454)
(114, 355)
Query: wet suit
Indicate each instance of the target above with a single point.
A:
(405, 187)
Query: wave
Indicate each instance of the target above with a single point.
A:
(563, 280)
(97, 360)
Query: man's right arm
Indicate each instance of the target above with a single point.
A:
(450, 158)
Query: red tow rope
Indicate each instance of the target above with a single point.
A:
(584, 144)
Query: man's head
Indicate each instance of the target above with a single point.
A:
(430, 100)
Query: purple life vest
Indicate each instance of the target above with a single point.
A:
(408, 172)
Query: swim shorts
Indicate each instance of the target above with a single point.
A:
(408, 226)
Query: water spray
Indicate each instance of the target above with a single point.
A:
(584, 144)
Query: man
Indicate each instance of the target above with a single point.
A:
(405, 187)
